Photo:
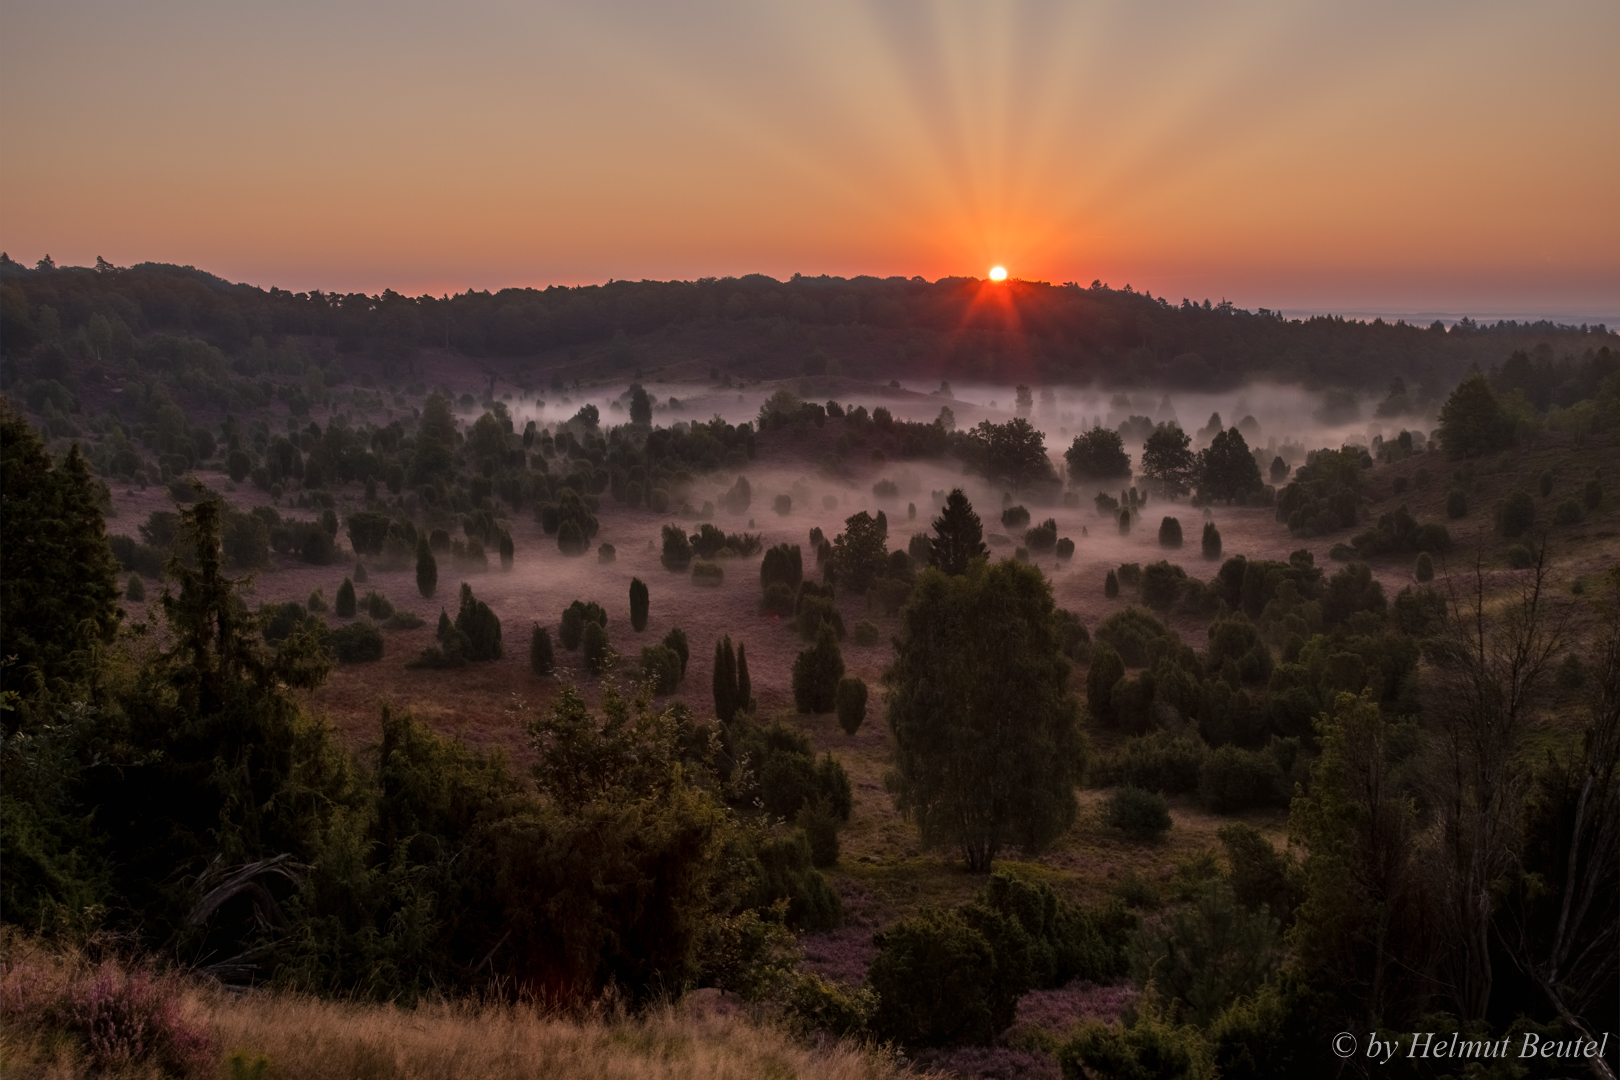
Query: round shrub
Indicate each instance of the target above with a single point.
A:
(778, 600)
(1014, 517)
(1142, 815)
(782, 504)
(851, 704)
(1233, 779)
(1520, 557)
(1065, 549)
(929, 974)
(1424, 571)
(867, 633)
(1212, 541)
(1456, 503)
(594, 643)
(658, 501)
(1042, 538)
(606, 553)
(1568, 513)
(356, 643)
(661, 666)
(677, 554)
(574, 619)
(571, 539)
(1515, 514)
(1170, 533)
(708, 574)
(136, 591)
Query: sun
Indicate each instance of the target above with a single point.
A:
(998, 273)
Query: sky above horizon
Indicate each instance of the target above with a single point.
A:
(1415, 157)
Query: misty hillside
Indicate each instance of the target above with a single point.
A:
(755, 327)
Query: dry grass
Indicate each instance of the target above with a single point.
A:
(313, 1039)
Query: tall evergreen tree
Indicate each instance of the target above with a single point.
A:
(958, 535)
(816, 672)
(639, 604)
(987, 735)
(725, 680)
(59, 572)
(745, 685)
(427, 568)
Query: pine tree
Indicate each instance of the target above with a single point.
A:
(427, 568)
(639, 604)
(958, 535)
(745, 685)
(725, 680)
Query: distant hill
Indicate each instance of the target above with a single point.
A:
(757, 327)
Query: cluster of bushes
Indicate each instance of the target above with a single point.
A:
(1398, 532)
(954, 976)
(1325, 494)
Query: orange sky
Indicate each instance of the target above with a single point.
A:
(1422, 156)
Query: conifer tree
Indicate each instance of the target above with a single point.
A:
(816, 672)
(725, 680)
(346, 605)
(958, 535)
(541, 659)
(745, 685)
(639, 604)
(427, 568)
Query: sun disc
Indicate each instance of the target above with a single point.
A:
(998, 273)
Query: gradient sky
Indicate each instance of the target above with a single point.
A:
(1369, 155)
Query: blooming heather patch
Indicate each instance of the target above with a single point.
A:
(1058, 1011)
(843, 955)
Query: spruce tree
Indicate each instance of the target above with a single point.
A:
(745, 685)
(639, 604)
(725, 680)
(346, 605)
(958, 535)
(427, 568)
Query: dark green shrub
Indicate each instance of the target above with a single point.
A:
(820, 826)
(480, 625)
(782, 504)
(1014, 517)
(1074, 638)
(778, 600)
(1424, 572)
(1568, 513)
(1209, 953)
(356, 643)
(676, 640)
(346, 605)
(1142, 815)
(1432, 536)
(574, 619)
(1515, 515)
(1151, 1048)
(786, 871)
(661, 666)
(1137, 636)
(1107, 669)
(639, 605)
(783, 564)
(1042, 538)
(708, 574)
(278, 621)
(1456, 503)
(1170, 533)
(541, 659)
(606, 553)
(815, 608)
(1233, 779)
(816, 673)
(1212, 541)
(1260, 875)
(929, 974)
(135, 592)
(571, 539)
(1520, 557)
(1153, 762)
(1065, 549)
(1111, 585)
(867, 633)
(1125, 522)
(1161, 585)
(594, 645)
(851, 702)
(677, 554)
